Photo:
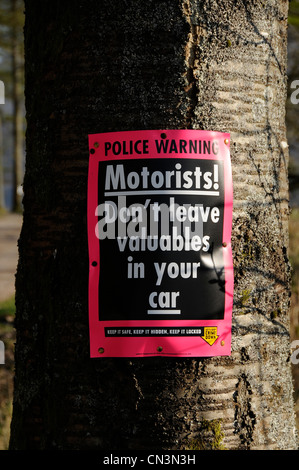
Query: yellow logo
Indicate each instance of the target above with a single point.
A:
(210, 334)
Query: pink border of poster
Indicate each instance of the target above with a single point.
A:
(182, 346)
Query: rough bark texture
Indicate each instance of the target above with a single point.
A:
(18, 116)
(96, 66)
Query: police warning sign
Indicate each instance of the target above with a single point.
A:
(159, 234)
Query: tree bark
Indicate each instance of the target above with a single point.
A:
(108, 66)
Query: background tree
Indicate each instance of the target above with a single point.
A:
(107, 66)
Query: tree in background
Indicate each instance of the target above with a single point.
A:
(12, 44)
(107, 66)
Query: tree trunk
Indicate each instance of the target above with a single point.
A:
(104, 66)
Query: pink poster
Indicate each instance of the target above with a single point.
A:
(159, 234)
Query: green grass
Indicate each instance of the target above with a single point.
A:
(7, 308)
(2, 211)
